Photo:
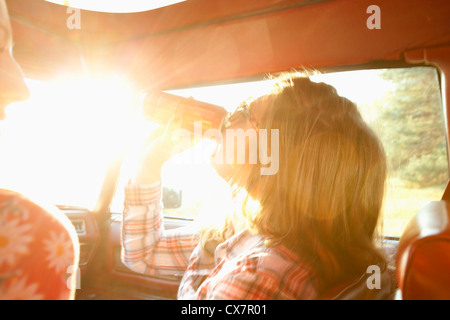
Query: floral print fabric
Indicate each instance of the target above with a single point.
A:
(38, 251)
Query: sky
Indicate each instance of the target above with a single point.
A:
(116, 5)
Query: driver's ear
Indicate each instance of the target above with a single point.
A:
(12, 82)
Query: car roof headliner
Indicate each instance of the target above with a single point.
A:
(208, 41)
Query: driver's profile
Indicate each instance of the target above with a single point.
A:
(38, 246)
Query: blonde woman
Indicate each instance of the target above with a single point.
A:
(315, 222)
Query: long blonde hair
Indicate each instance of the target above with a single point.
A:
(325, 201)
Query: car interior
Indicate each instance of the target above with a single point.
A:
(391, 57)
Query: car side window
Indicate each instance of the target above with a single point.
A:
(402, 105)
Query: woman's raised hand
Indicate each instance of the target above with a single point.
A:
(158, 151)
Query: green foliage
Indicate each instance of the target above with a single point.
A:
(411, 126)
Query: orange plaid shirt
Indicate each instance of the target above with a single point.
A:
(243, 267)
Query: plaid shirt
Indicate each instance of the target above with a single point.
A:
(242, 267)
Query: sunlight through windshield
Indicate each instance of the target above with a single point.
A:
(59, 142)
(57, 145)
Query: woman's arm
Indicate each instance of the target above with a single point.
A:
(146, 247)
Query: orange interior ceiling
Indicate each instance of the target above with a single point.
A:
(205, 41)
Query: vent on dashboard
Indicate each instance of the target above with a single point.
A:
(80, 226)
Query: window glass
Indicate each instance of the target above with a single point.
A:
(402, 105)
(57, 145)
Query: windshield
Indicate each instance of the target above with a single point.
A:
(402, 105)
(57, 145)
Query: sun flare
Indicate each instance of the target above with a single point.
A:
(66, 131)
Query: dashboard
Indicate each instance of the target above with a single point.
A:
(103, 274)
(88, 233)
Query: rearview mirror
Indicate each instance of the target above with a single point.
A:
(172, 198)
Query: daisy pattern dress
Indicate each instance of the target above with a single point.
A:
(38, 251)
